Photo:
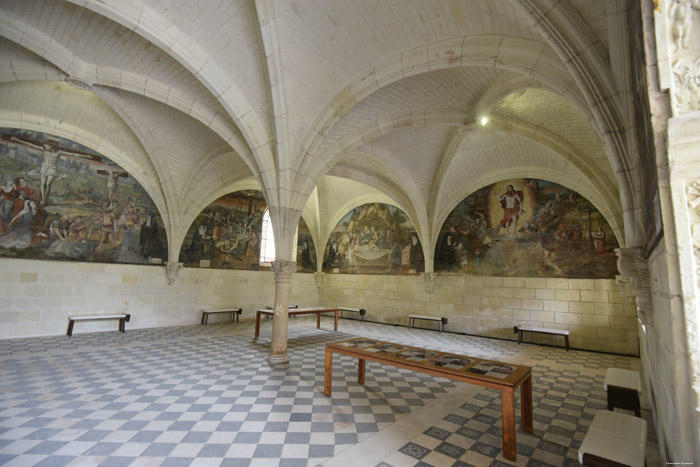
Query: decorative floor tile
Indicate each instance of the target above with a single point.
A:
(205, 395)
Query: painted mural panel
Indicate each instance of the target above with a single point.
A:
(374, 238)
(226, 234)
(530, 228)
(306, 250)
(62, 201)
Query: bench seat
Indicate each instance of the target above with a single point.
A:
(122, 317)
(557, 332)
(235, 313)
(623, 388)
(441, 320)
(617, 438)
(360, 311)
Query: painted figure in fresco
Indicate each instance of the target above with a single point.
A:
(547, 245)
(149, 237)
(108, 229)
(599, 245)
(306, 256)
(512, 202)
(332, 252)
(14, 197)
(49, 166)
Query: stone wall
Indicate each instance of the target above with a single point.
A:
(598, 313)
(36, 297)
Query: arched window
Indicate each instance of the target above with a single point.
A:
(267, 242)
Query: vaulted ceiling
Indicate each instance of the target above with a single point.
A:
(328, 104)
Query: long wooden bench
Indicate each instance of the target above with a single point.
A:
(234, 312)
(614, 439)
(557, 332)
(360, 312)
(123, 318)
(412, 320)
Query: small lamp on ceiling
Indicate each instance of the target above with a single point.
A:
(484, 120)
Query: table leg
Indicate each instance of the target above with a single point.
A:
(336, 321)
(526, 404)
(328, 377)
(318, 320)
(361, 371)
(257, 323)
(508, 423)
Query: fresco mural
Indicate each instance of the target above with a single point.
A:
(374, 238)
(306, 250)
(530, 228)
(62, 201)
(226, 234)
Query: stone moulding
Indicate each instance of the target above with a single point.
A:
(693, 192)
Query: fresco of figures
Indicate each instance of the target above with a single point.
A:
(526, 228)
(226, 234)
(62, 201)
(306, 250)
(374, 238)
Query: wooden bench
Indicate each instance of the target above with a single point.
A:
(614, 439)
(623, 388)
(360, 311)
(123, 318)
(235, 313)
(412, 320)
(557, 332)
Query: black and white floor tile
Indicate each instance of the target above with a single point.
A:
(206, 396)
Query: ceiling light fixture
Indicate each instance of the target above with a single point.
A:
(484, 120)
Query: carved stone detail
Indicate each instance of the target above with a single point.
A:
(429, 282)
(172, 269)
(320, 278)
(693, 191)
(686, 85)
(681, 14)
(634, 275)
(283, 270)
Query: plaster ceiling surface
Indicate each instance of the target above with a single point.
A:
(207, 94)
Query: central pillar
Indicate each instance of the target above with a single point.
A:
(283, 283)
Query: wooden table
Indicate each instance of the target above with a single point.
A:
(298, 311)
(491, 374)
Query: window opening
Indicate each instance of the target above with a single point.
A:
(267, 243)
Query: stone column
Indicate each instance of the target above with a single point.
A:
(283, 283)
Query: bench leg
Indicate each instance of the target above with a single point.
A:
(70, 327)
(566, 338)
(520, 337)
(205, 318)
(122, 326)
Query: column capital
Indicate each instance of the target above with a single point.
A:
(283, 270)
(172, 269)
(634, 275)
(320, 278)
(633, 267)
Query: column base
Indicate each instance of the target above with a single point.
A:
(275, 359)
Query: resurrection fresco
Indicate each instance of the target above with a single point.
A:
(62, 201)
(527, 228)
(306, 250)
(226, 234)
(374, 238)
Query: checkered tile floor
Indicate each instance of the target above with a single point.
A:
(205, 395)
